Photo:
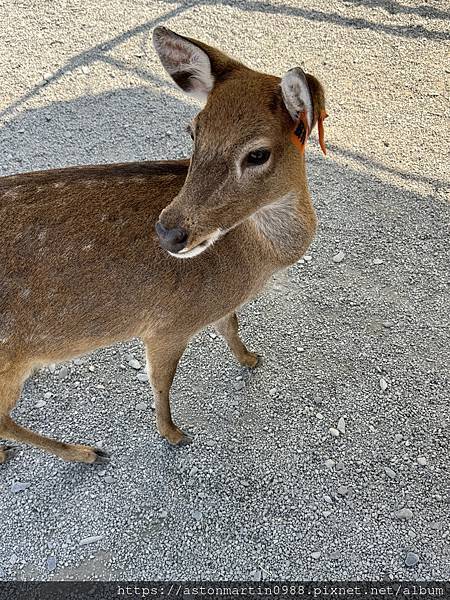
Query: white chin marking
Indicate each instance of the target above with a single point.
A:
(200, 247)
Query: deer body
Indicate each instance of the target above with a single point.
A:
(81, 266)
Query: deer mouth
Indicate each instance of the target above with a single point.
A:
(199, 247)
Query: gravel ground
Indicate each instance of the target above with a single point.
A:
(332, 459)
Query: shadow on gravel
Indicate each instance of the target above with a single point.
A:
(117, 126)
(98, 52)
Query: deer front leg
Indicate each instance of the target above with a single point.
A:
(162, 361)
(228, 328)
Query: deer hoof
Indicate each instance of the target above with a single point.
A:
(251, 360)
(101, 457)
(178, 438)
(6, 452)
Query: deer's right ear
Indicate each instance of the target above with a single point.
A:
(187, 64)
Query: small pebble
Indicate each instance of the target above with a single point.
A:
(212, 335)
(307, 258)
(141, 406)
(19, 487)
(51, 563)
(91, 540)
(339, 257)
(340, 466)
(63, 373)
(335, 555)
(85, 69)
(40, 404)
(134, 364)
(328, 499)
(48, 395)
(422, 461)
(239, 385)
(411, 559)
(319, 416)
(316, 554)
(390, 473)
(377, 261)
(143, 377)
(342, 490)
(326, 513)
(193, 471)
(334, 432)
(163, 513)
(197, 515)
(383, 384)
(329, 463)
(341, 425)
(48, 76)
(398, 437)
(404, 514)
(109, 479)
(388, 324)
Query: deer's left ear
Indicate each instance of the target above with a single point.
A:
(304, 99)
(194, 66)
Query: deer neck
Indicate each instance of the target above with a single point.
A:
(287, 225)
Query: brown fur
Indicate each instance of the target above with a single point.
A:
(81, 266)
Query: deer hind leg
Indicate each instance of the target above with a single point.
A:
(162, 360)
(12, 378)
(228, 328)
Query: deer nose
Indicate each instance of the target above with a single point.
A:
(173, 239)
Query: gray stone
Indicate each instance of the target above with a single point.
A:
(341, 425)
(404, 514)
(390, 472)
(51, 563)
(19, 486)
(334, 432)
(197, 515)
(134, 364)
(383, 384)
(63, 372)
(411, 559)
(342, 490)
(339, 257)
(91, 540)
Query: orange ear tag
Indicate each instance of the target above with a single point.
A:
(300, 133)
(322, 117)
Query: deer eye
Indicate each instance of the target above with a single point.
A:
(257, 157)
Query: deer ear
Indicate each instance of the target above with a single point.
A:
(304, 99)
(296, 95)
(187, 64)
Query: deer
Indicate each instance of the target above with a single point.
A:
(94, 255)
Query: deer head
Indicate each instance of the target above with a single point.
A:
(249, 140)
